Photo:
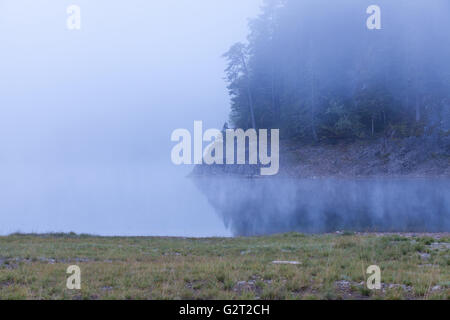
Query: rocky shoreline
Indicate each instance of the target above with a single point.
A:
(413, 157)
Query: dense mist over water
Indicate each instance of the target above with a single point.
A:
(264, 206)
(86, 116)
(108, 200)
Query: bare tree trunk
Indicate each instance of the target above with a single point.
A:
(417, 109)
(373, 125)
(249, 92)
(313, 92)
(250, 102)
(275, 104)
(313, 107)
(275, 97)
(408, 88)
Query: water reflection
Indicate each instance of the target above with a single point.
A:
(263, 206)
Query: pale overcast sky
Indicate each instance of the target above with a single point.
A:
(74, 104)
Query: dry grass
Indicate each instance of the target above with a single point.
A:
(332, 267)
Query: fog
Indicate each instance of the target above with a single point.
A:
(86, 115)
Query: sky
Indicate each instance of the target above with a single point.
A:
(84, 112)
(134, 72)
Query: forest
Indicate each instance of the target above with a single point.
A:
(313, 69)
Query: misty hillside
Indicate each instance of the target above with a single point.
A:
(348, 101)
(363, 116)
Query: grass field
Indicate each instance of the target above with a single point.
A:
(330, 266)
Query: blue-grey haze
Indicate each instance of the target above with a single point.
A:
(86, 116)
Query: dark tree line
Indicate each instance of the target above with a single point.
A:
(313, 69)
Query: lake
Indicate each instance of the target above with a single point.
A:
(105, 200)
(265, 205)
(162, 201)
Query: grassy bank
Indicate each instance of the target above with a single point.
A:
(331, 266)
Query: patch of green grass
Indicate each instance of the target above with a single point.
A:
(331, 266)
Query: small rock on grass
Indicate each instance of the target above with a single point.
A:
(424, 256)
(286, 262)
(436, 288)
